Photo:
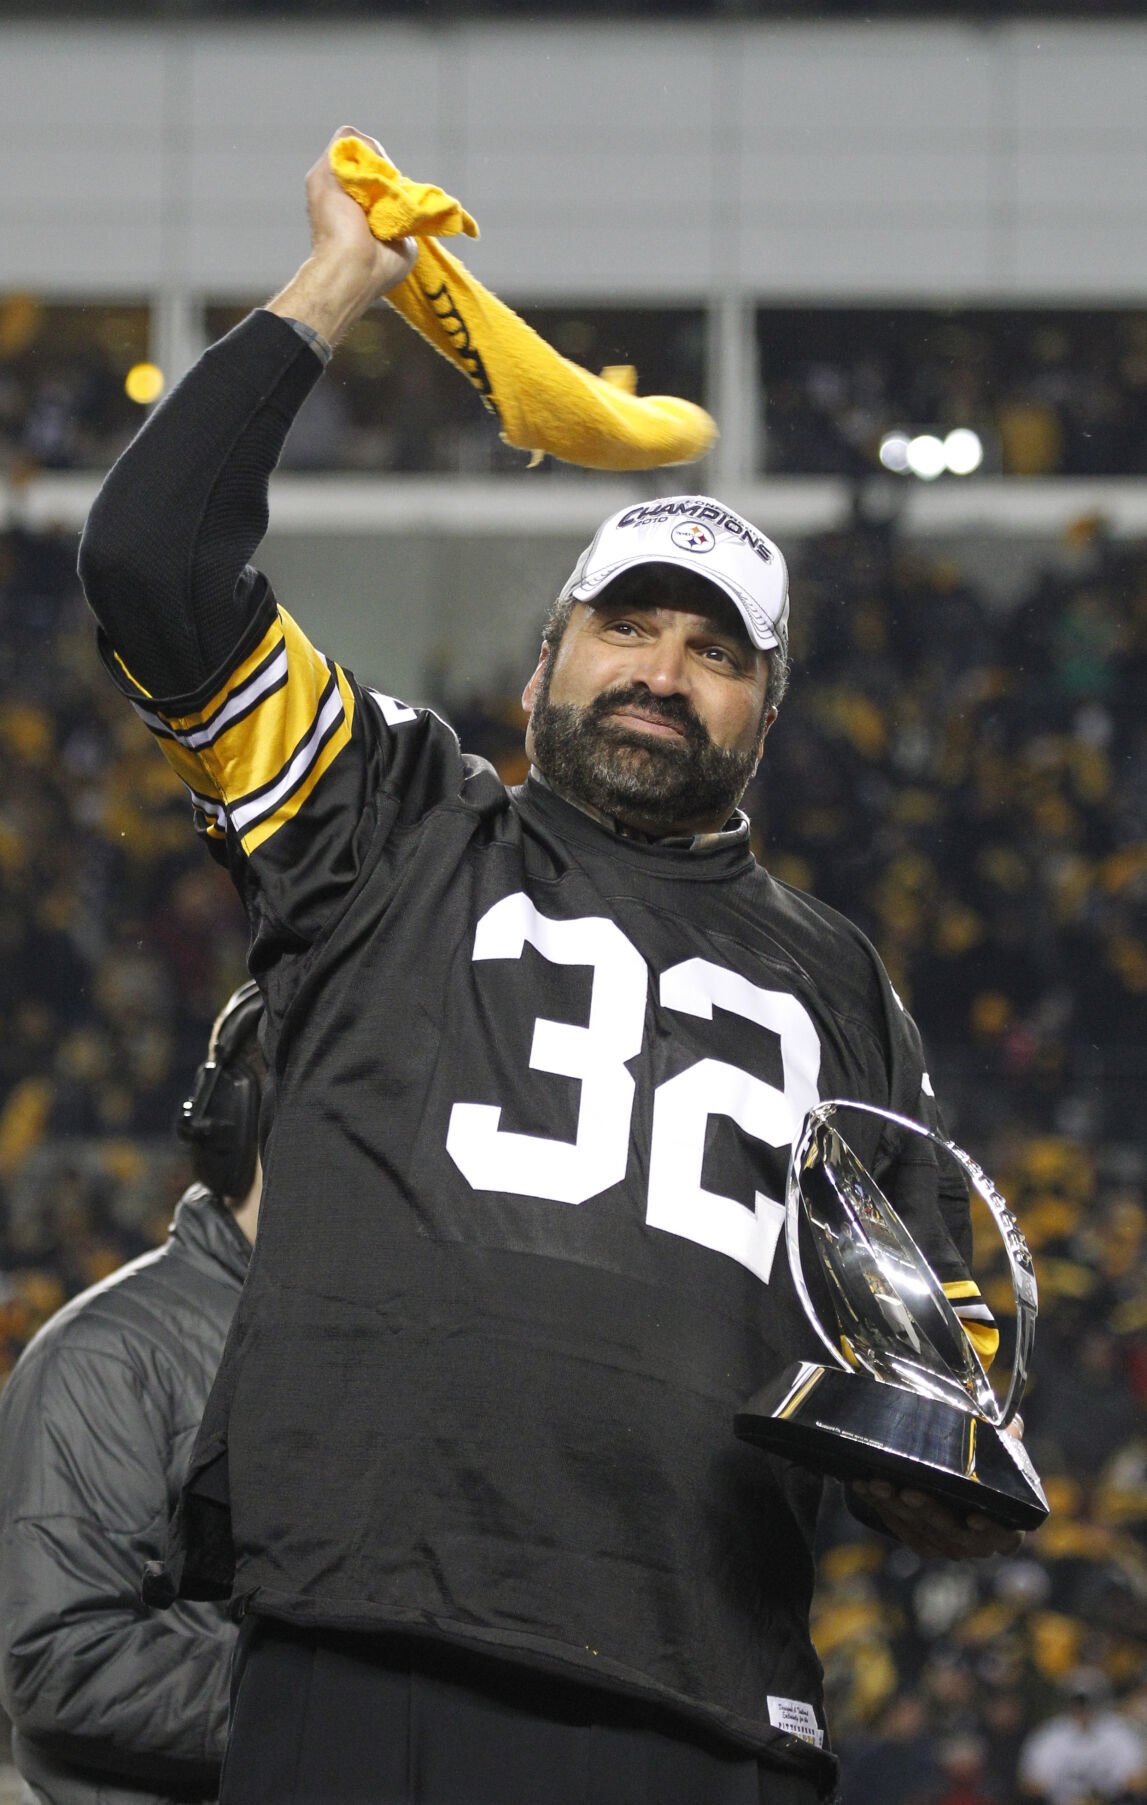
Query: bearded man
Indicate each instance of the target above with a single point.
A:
(537, 1058)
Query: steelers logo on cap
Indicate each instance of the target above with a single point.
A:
(691, 536)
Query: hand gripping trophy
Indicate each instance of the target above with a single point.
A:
(905, 1398)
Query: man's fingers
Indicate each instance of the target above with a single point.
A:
(353, 131)
(930, 1528)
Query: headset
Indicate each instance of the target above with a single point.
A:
(220, 1119)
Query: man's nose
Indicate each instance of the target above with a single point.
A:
(663, 668)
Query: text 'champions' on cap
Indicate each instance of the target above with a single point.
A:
(697, 533)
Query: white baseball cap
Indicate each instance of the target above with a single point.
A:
(700, 534)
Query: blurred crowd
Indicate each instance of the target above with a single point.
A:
(1050, 393)
(62, 368)
(119, 941)
(969, 785)
(390, 404)
(968, 781)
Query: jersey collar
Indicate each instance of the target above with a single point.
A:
(735, 833)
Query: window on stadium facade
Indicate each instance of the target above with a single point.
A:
(390, 403)
(1048, 392)
(63, 404)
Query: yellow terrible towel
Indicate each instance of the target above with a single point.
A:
(544, 402)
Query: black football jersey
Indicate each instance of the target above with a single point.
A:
(521, 1256)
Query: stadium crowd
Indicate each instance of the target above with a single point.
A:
(1050, 393)
(63, 404)
(969, 783)
(393, 404)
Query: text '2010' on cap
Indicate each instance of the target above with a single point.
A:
(697, 533)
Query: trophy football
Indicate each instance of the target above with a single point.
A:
(905, 1398)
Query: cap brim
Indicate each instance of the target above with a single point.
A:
(762, 633)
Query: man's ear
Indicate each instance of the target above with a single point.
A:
(768, 718)
(530, 693)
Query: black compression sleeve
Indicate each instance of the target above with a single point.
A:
(163, 556)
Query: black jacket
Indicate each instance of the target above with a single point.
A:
(108, 1700)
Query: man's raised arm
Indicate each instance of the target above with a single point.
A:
(164, 556)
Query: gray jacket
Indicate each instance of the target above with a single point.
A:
(112, 1704)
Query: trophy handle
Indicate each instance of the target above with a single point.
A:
(1015, 1246)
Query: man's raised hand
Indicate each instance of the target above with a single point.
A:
(348, 267)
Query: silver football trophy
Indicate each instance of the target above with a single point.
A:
(905, 1398)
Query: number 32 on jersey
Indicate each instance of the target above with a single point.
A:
(493, 1159)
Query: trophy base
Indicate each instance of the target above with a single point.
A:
(857, 1428)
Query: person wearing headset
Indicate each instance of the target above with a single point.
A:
(110, 1702)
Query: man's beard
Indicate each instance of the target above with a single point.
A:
(640, 778)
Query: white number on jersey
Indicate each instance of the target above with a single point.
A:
(678, 1202)
(494, 1159)
(532, 1165)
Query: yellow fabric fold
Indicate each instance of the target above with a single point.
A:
(395, 207)
(544, 402)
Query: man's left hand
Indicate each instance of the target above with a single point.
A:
(931, 1529)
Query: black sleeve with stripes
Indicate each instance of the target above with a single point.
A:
(164, 555)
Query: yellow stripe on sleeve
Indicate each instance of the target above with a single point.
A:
(262, 741)
(249, 755)
(189, 768)
(187, 723)
(985, 1338)
(290, 807)
(187, 765)
(983, 1335)
(134, 681)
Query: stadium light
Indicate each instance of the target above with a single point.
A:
(963, 451)
(144, 383)
(894, 451)
(926, 456)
